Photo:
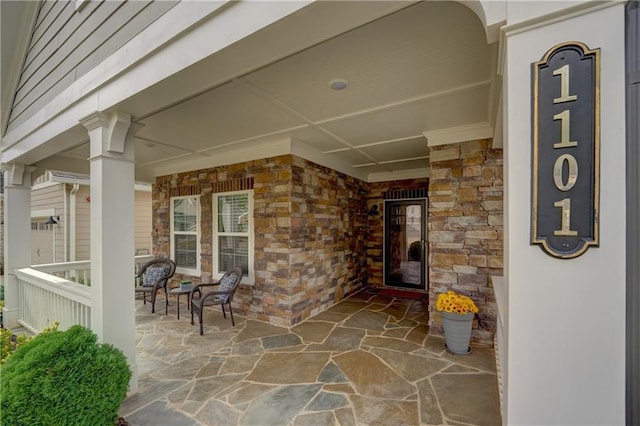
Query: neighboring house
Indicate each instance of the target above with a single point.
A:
(64, 198)
(312, 143)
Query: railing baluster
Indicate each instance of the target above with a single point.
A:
(57, 292)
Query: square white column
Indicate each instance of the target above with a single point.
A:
(17, 236)
(113, 232)
(565, 317)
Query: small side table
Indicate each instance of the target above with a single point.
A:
(178, 291)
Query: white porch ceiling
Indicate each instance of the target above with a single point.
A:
(425, 69)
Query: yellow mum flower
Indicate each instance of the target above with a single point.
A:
(454, 302)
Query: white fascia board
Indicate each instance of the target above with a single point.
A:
(469, 132)
(237, 20)
(150, 57)
(47, 123)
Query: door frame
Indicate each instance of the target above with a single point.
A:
(385, 238)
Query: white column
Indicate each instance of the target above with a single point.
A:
(566, 317)
(112, 232)
(17, 235)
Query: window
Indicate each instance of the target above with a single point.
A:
(233, 233)
(185, 226)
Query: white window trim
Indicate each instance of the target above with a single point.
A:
(250, 279)
(180, 270)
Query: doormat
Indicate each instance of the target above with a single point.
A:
(389, 292)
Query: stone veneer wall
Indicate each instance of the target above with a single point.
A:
(309, 240)
(465, 228)
(328, 237)
(375, 224)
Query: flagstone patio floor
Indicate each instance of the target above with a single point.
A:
(368, 360)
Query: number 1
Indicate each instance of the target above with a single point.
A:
(566, 231)
(563, 72)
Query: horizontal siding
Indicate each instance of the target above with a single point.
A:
(143, 221)
(52, 197)
(83, 223)
(66, 44)
(59, 60)
(54, 16)
(42, 242)
(47, 198)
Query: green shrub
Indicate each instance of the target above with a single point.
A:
(63, 378)
(9, 342)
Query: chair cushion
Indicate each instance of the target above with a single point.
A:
(154, 274)
(227, 282)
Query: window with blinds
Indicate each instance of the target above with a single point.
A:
(233, 232)
(185, 227)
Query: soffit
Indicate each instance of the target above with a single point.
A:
(421, 69)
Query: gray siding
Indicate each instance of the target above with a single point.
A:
(66, 44)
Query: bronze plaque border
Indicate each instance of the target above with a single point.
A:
(535, 238)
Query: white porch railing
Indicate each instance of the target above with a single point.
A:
(44, 299)
(79, 272)
(57, 292)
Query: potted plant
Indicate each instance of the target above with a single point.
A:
(185, 285)
(457, 311)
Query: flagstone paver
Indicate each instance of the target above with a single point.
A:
(313, 331)
(279, 406)
(341, 339)
(479, 393)
(372, 377)
(289, 368)
(368, 360)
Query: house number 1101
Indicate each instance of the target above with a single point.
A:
(565, 187)
(565, 142)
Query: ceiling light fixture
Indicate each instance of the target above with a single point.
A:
(338, 84)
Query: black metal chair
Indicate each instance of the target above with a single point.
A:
(155, 275)
(216, 293)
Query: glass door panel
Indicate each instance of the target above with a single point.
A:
(405, 243)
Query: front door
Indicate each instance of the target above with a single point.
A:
(405, 243)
